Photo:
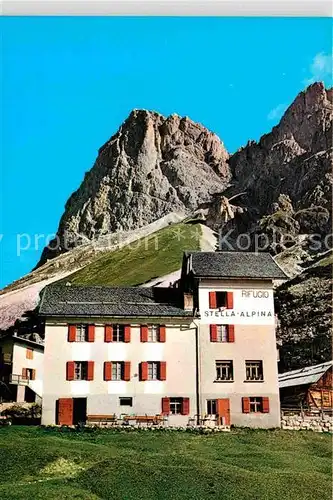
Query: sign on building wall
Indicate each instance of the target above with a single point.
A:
(245, 306)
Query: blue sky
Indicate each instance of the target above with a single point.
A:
(68, 83)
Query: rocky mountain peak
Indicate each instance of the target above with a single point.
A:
(152, 166)
(308, 120)
(293, 158)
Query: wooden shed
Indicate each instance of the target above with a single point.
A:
(308, 388)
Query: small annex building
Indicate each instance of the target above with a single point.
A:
(21, 369)
(308, 388)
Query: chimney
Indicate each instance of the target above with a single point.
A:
(188, 301)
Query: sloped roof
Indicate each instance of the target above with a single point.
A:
(235, 265)
(75, 300)
(304, 376)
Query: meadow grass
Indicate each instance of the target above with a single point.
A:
(37, 463)
(155, 255)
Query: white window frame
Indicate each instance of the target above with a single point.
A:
(81, 333)
(176, 406)
(80, 370)
(211, 403)
(256, 405)
(222, 333)
(118, 333)
(153, 333)
(117, 370)
(254, 371)
(224, 371)
(153, 369)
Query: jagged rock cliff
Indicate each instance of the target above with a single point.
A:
(152, 166)
(304, 307)
(285, 178)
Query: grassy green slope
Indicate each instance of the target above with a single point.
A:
(265, 465)
(145, 259)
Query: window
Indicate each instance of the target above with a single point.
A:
(80, 370)
(254, 371)
(176, 406)
(29, 353)
(222, 333)
(221, 299)
(28, 374)
(117, 370)
(153, 370)
(255, 405)
(224, 371)
(118, 334)
(81, 334)
(211, 407)
(153, 333)
(126, 401)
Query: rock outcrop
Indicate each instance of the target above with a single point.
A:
(284, 181)
(152, 166)
(304, 308)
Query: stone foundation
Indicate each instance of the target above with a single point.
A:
(311, 423)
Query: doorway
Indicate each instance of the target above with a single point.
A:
(79, 410)
(223, 411)
(219, 408)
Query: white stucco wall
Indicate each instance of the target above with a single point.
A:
(103, 397)
(253, 341)
(253, 302)
(20, 361)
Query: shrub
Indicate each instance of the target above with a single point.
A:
(18, 411)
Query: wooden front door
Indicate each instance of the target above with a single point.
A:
(65, 411)
(223, 411)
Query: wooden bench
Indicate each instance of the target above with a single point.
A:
(105, 419)
(144, 419)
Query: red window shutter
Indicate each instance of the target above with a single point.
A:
(143, 371)
(165, 406)
(127, 371)
(91, 333)
(212, 300)
(231, 333)
(185, 406)
(107, 370)
(127, 333)
(70, 370)
(24, 373)
(162, 370)
(246, 405)
(143, 333)
(90, 370)
(162, 333)
(213, 333)
(71, 333)
(230, 300)
(33, 375)
(265, 405)
(29, 354)
(65, 411)
(108, 333)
